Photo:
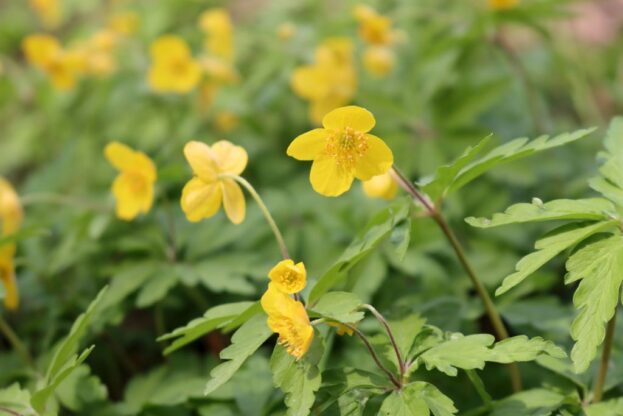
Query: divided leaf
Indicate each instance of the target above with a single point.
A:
(339, 306)
(418, 399)
(609, 408)
(16, 399)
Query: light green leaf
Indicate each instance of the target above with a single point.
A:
(535, 402)
(339, 306)
(16, 399)
(81, 389)
(418, 399)
(155, 289)
(609, 408)
(128, 280)
(521, 348)
(245, 341)
(405, 331)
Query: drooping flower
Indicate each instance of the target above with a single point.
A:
(342, 150)
(173, 68)
(203, 194)
(381, 186)
(288, 318)
(503, 4)
(48, 12)
(217, 26)
(11, 216)
(378, 60)
(133, 188)
(288, 277)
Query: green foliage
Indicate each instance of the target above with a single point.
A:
(16, 399)
(339, 306)
(417, 399)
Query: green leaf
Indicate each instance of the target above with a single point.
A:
(339, 306)
(596, 209)
(536, 402)
(405, 331)
(521, 348)
(549, 247)
(600, 267)
(81, 389)
(418, 399)
(214, 318)
(16, 399)
(245, 341)
(128, 280)
(609, 408)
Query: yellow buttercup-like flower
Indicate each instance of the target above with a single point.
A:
(381, 186)
(173, 67)
(503, 4)
(217, 26)
(374, 28)
(134, 187)
(203, 194)
(48, 11)
(378, 60)
(342, 150)
(289, 319)
(288, 277)
(11, 216)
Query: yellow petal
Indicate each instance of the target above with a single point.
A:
(41, 50)
(357, 118)
(11, 214)
(169, 48)
(274, 302)
(310, 82)
(377, 160)
(230, 158)
(120, 155)
(288, 277)
(233, 201)
(328, 179)
(381, 186)
(200, 199)
(201, 160)
(7, 278)
(308, 145)
(133, 195)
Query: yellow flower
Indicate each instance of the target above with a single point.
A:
(288, 277)
(288, 318)
(46, 53)
(286, 30)
(226, 121)
(97, 53)
(11, 216)
(133, 188)
(173, 68)
(48, 12)
(203, 194)
(378, 60)
(503, 4)
(373, 27)
(341, 328)
(216, 24)
(381, 186)
(124, 23)
(219, 70)
(342, 150)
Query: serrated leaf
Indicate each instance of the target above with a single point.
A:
(245, 341)
(17, 399)
(521, 348)
(600, 267)
(596, 209)
(418, 399)
(549, 247)
(81, 389)
(537, 402)
(608, 408)
(339, 306)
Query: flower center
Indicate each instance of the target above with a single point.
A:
(346, 146)
(289, 278)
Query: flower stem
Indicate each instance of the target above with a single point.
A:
(383, 321)
(17, 344)
(265, 211)
(375, 357)
(605, 359)
(490, 309)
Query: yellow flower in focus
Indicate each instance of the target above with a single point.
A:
(285, 31)
(288, 277)
(47, 54)
(11, 216)
(341, 328)
(381, 186)
(203, 194)
(342, 150)
(378, 60)
(217, 25)
(124, 23)
(289, 319)
(173, 68)
(226, 121)
(48, 12)
(374, 28)
(503, 4)
(133, 188)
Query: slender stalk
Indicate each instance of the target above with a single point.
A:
(375, 357)
(265, 211)
(490, 309)
(9, 411)
(383, 321)
(605, 359)
(17, 344)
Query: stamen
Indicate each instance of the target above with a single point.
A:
(346, 146)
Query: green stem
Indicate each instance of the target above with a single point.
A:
(383, 321)
(605, 359)
(17, 344)
(490, 309)
(375, 357)
(265, 211)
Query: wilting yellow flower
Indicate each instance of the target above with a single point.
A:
(381, 186)
(341, 328)
(288, 277)
(373, 27)
(378, 60)
(11, 216)
(503, 4)
(48, 11)
(286, 30)
(46, 53)
(216, 24)
(203, 194)
(226, 121)
(342, 150)
(124, 23)
(133, 188)
(288, 318)
(173, 68)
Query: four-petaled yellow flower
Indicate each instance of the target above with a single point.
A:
(288, 277)
(217, 26)
(11, 216)
(173, 68)
(342, 150)
(48, 12)
(213, 167)
(289, 319)
(133, 188)
(381, 186)
(503, 4)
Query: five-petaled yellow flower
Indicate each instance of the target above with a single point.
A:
(214, 167)
(503, 4)
(173, 68)
(381, 186)
(288, 277)
(289, 319)
(11, 216)
(342, 150)
(133, 188)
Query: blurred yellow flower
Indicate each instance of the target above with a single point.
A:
(98, 53)
(289, 319)
(219, 70)
(342, 150)
(288, 277)
(503, 4)
(381, 186)
(48, 12)
(374, 28)
(133, 188)
(173, 68)
(124, 23)
(341, 328)
(47, 54)
(203, 194)
(286, 30)
(226, 121)
(378, 60)
(11, 216)
(217, 26)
